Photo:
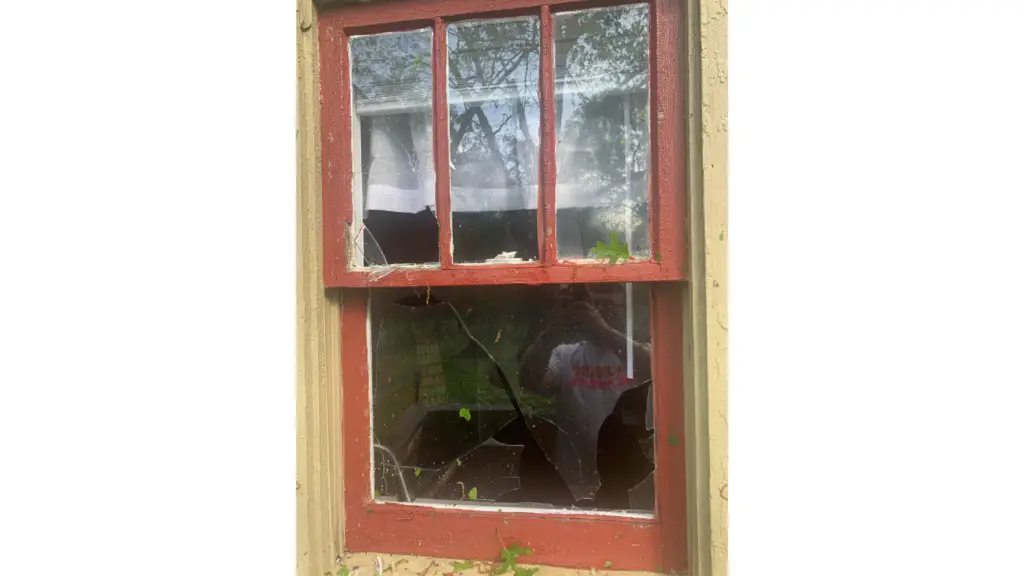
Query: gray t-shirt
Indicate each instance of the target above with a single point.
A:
(587, 382)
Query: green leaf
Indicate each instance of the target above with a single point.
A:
(613, 251)
(511, 553)
(508, 560)
(460, 566)
(417, 472)
(343, 570)
(464, 413)
(607, 563)
(472, 493)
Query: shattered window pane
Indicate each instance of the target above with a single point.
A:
(602, 119)
(493, 95)
(533, 396)
(392, 149)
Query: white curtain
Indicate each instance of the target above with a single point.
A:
(401, 176)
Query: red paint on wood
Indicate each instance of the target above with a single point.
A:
(668, 199)
(532, 273)
(547, 227)
(670, 451)
(408, 26)
(336, 152)
(571, 540)
(574, 541)
(376, 13)
(515, 12)
(570, 5)
(562, 540)
(355, 369)
(442, 168)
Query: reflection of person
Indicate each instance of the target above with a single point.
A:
(581, 360)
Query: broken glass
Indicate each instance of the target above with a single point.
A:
(394, 218)
(513, 395)
(602, 119)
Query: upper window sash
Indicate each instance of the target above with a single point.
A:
(500, 144)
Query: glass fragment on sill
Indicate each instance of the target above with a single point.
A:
(504, 258)
(494, 135)
(602, 121)
(451, 365)
(392, 150)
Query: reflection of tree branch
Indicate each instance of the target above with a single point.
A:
(489, 134)
(503, 123)
(492, 55)
(523, 126)
(508, 67)
(508, 70)
(529, 148)
(521, 113)
(465, 121)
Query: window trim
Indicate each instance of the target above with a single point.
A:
(666, 190)
(578, 540)
(570, 539)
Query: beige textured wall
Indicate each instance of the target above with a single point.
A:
(320, 521)
(706, 350)
(318, 487)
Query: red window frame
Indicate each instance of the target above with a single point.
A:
(667, 214)
(575, 539)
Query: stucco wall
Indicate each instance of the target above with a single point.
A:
(320, 519)
(318, 487)
(707, 312)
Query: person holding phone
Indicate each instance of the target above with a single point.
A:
(581, 360)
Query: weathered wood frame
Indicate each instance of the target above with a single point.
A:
(576, 540)
(666, 186)
(320, 474)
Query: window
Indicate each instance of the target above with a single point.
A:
(503, 209)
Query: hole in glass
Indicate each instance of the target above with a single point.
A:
(529, 396)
